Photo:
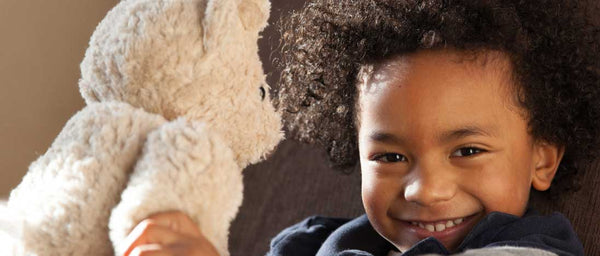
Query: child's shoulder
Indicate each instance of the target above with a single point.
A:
(553, 233)
(306, 236)
(319, 235)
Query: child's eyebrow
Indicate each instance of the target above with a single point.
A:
(465, 131)
(442, 137)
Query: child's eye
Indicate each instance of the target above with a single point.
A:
(389, 158)
(467, 151)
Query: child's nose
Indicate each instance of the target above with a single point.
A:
(429, 186)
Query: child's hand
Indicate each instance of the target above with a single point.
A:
(169, 233)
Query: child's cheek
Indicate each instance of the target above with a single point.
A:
(371, 192)
(379, 189)
(375, 201)
(499, 184)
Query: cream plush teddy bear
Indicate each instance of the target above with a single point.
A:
(177, 106)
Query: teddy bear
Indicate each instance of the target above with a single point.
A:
(176, 106)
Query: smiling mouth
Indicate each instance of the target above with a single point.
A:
(438, 227)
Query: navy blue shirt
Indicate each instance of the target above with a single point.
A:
(344, 237)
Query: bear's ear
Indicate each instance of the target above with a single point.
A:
(254, 14)
(219, 18)
(221, 15)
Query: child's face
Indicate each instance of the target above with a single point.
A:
(441, 144)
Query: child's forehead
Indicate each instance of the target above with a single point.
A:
(481, 64)
(428, 88)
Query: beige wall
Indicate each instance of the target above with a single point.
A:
(41, 45)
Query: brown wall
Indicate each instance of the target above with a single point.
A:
(41, 45)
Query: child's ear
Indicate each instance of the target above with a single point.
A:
(546, 159)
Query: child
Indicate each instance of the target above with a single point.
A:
(454, 109)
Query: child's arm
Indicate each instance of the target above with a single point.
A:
(169, 233)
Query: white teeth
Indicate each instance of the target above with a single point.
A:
(429, 227)
(440, 227)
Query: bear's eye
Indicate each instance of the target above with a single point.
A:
(263, 93)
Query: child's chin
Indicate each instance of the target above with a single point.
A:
(453, 245)
(453, 242)
(450, 243)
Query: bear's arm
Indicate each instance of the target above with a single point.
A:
(183, 167)
(66, 196)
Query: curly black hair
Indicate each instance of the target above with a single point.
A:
(552, 44)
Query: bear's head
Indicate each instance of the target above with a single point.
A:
(192, 58)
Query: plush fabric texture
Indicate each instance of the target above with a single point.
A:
(193, 172)
(503, 251)
(177, 106)
(10, 231)
(66, 196)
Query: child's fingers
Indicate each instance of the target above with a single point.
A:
(176, 221)
(150, 232)
(168, 233)
(150, 250)
(170, 250)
